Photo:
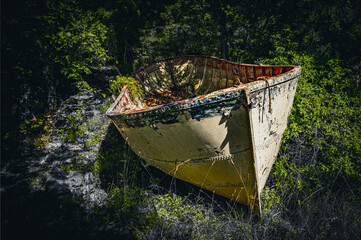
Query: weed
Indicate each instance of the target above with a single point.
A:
(118, 83)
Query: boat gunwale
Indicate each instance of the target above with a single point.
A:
(212, 97)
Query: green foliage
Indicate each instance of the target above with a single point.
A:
(183, 30)
(127, 198)
(171, 209)
(79, 39)
(38, 130)
(321, 146)
(38, 182)
(314, 189)
(133, 85)
(80, 126)
(77, 163)
(48, 46)
(75, 127)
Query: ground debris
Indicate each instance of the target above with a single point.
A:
(165, 96)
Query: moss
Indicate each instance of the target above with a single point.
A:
(38, 182)
(76, 165)
(96, 136)
(38, 130)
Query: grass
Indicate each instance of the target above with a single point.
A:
(313, 192)
(148, 204)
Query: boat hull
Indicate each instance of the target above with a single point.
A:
(225, 142)
(211, 148)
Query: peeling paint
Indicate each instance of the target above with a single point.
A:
(227, 138)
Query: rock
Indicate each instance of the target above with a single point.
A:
(67, 165)
(55, 187)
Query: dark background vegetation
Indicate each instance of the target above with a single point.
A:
(50, 49)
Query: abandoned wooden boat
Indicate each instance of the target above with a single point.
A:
(225, 132)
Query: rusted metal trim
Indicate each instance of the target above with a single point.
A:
(269, 94)
(254, 74)
(192, 102)
(246, 74)
(188, 103)
(226, 75)
(220, 74)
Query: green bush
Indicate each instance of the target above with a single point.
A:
(78, 40)
(119, 82)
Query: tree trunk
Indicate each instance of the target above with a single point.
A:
(224, 37)
(220, 17)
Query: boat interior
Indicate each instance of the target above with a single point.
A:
(178, 78)
(195, 75)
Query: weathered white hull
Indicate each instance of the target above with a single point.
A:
(225, 141)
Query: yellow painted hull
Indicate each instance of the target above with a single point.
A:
(225, 141)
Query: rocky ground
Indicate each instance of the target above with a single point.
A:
(55, 192)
